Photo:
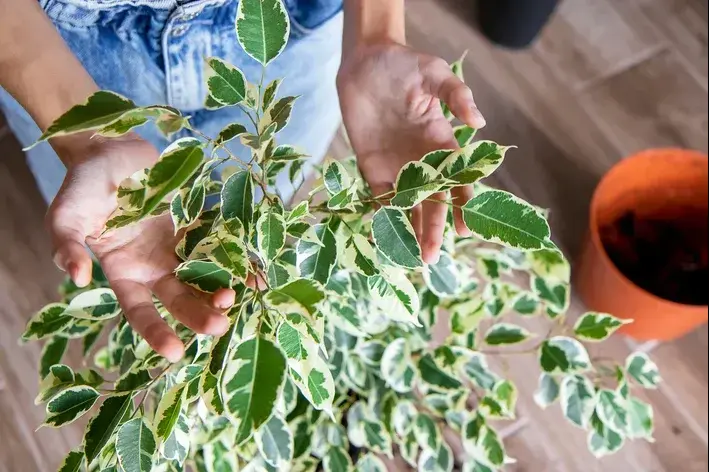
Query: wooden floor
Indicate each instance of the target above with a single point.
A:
(607, 78)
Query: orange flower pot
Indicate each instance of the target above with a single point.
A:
(659, 184)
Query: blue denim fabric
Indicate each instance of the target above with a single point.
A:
(153, 51)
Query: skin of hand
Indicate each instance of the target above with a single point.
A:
(390, 96)
(138, 260)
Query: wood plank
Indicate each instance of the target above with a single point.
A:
(655, 104)
(588, 41)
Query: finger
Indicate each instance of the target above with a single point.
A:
(137, 303)
(461, 196)
(417, 222)
(223, 299)
(434, 222)
(190, 308)
(382, 191)
(70, 254)
(444, 84)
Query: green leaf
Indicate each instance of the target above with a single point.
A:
(505, 334)
(300, 296)
(505, 394)
(547, 392)
(426, 432)
(436, 461)
(72, 462)
(271, 234)
(416, 182)
(477, 370)
(370, 463)
(59, 377)
(168, 411)
(48, 321)
(94, 305)
(275, 442)
(70, 404)
(285, 154)
(237, 198)
(578, 399)
(230, 132)
(335, 177)
(337, 459)
(473, 162)
(203, 275)
(443, 277)
(563, 355)
(434, 376)
(643, 370)
(279, 114)
(359, 256)
(102, 426)
(464, 134)
(610, 408)
(100, 109)
(526, 304)
(394, 237)
(226, 83)
(640, 417)
(252, 383)
(262, 27)
(395, 295)
(317, 254)
(176, 447)
(556, 296)
(482, 443)
(502, 218)
(371, 352)
(269, 93)
(52, 353)
(602, 440)
(209, 390)
(376, 437)
(594, 327)
(136, 446)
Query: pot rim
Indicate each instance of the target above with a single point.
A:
(629, 161)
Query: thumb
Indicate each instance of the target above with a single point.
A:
(68, 242)
(441, 82)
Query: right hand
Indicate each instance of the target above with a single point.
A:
(138, 260)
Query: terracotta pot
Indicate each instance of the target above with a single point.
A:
(655, 184)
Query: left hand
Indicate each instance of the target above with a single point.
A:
(390, 97)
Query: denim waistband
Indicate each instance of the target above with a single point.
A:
(156, 4)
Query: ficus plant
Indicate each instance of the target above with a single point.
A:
(353, 350)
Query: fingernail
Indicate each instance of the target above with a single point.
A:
(478, 118)
(73, 271)
(174, 356)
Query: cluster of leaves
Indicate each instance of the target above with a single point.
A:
(335, 363)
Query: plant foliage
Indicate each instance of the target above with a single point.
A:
(333, 362)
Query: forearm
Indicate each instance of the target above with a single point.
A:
(373, 21)
(36, 66)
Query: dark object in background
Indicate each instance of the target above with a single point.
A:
(514, 23)
(668, 258)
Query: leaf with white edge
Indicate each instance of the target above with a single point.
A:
(226, 83)
(177, 446)
(275, 442)
(359, 256)
(394, 294)
(395, 238)
(477, 370)
(102, 426)
(337, 459)
(473, 162)
(370, 463)
(226, 251)
(547, 392)
(436, 461)
(603, 441)
(262, 28)
(578, 399)
(502, 218)
(278, 114)
(176, 165)
(505, 394)
(335, 177)
(643, 370)
(285, 154)
(209, 390)
(52, 353)
(610, 408)
(100, 109)
(136, 446)
(271, 234)
(526, 304)
(563, 355)
(443, 278)
(230, 132)
(269, 93)
(48, 321)
(129, 120)
(205, 276)
(506, 334)
(131, 191)
(416, 182)
(595, 327)
(371, 352)
(72, 462)
(252, 383)
(237, 198)
(556, 296)
(70, 404)
(317, 254)
(482, 443)
(300, 296)
(376, 437)
(403, 417)
(550, 264)
(640, 420)
(97, 304)
(426, 432)
(464, 134)
(300, 212)
(436, 377)
(168, 411)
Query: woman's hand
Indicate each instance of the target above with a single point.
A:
(390, 97)
(138, 260)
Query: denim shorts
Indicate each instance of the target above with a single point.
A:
(153, 51)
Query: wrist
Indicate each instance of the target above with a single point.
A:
(372, 22)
